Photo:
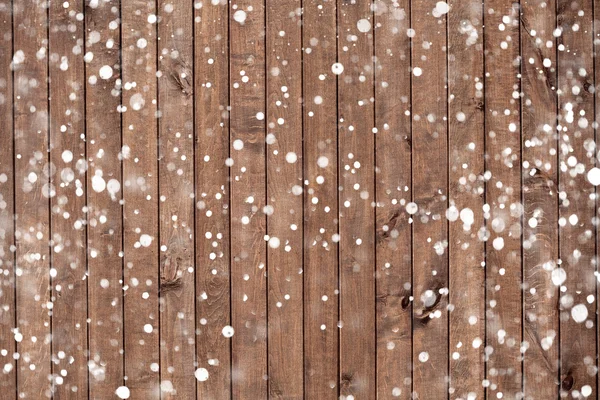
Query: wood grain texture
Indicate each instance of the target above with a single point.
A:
(284, 199)
(32, 192)
(141, 200)
(430, 194)
(466, 146)
(356, 163)
(248, 191)
(104, 213)
(68, 185)
(393, 192)
(321, 234)
(577, 237)
(176, 191)
(211, 89)
(8, 380)
(540, 244)
(503, 198)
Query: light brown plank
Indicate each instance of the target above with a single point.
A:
(8, 381)
(577, 209)
(430, 191)
(284, 195)
(176, 190)
(140, 194)
(321, 341)
(503, 218)
(69, 184)
(105, 225)
(540, 244)
(211, 91)
(393, 192)
(466, 149)
(248, 191)
(356, 164)
(32, 198)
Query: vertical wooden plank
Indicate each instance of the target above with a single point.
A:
(105, 226)
(393, 192)
(32, 191)
(540, 234)
(576, 214)
(68, 184)
(211, 65)
(356, 163)
(176, 190)
(430, 191)
(466, 195)
(248, 191)
(284, 199)
(503, 212)
(321, 236)
(8, 382)
(140, 193)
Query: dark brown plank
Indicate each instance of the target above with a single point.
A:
(466, 149)
(284, 198)
(105, 226)
(393, 192)
(248, 190)
(140, 194)
(577, 209)
(356, 164)
(69, 184)
(540, 243)
(211, 63)
(430, 191)
(320, 202)
(32, 192)
(176, 190)
(503, 197)
(8, 382)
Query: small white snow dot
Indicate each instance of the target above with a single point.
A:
(594, 176)
(67, 156)
(337, 68)
(323, 162)
(417, 71)
(291, 157)
(201, 374)
(145, 240)
(238, 144)
(105, 72)
(240, 16)
(274, 242)
(363, 25)
(148, 328)
(122, 392)
(579, 313)
(227, 331)
(423, 356)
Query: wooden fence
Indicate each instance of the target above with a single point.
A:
(298, 199)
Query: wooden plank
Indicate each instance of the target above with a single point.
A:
(30, 65)
(248, 191)
(356, 162)
(284, 199)
(503, 196)
(430, 191)
(176, 190)
(211, 63)
(393, 193)
(105, 226)
(577, 240)
(8, 382)
(140, 194)
(540, 242)
(321, 236)
(69, 184)
(466, 147)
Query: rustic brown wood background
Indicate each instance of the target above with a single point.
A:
(196, 203)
